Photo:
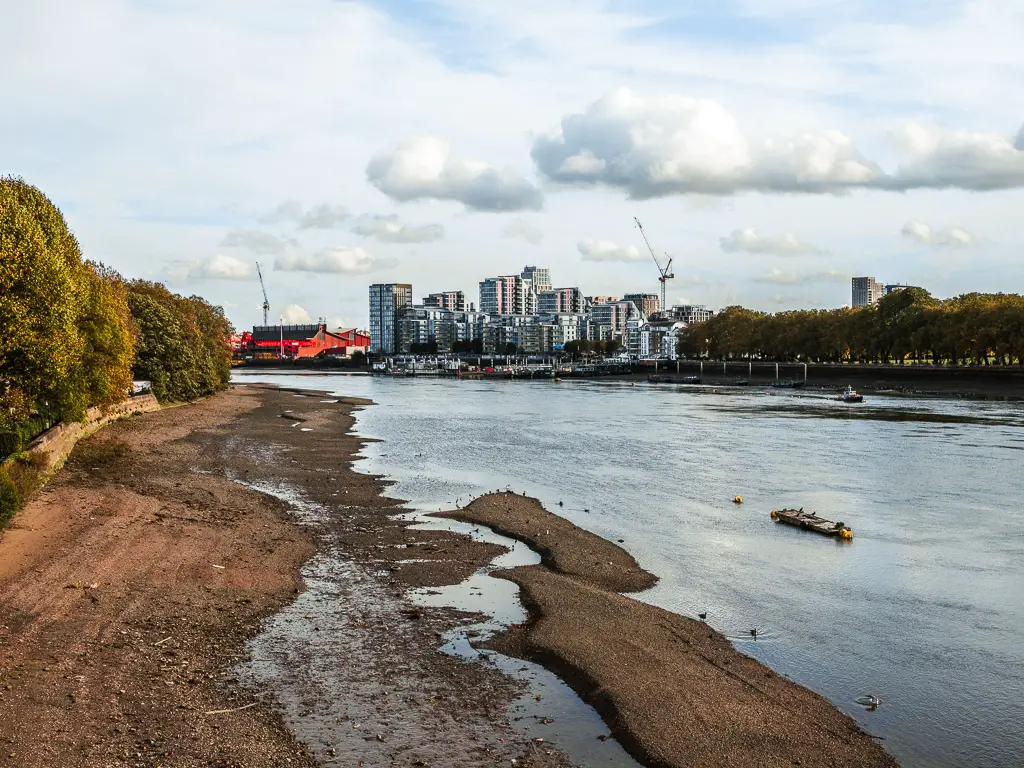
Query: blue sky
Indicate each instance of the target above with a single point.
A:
(439, 142)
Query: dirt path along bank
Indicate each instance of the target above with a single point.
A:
(672, 689)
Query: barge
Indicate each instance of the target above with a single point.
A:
(809, 521)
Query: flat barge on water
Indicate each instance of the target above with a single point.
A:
(809, 521)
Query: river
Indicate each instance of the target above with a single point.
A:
(923, 609)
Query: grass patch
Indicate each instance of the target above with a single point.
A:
(10, 498)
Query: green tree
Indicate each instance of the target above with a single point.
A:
(41, 293)
(183, 343)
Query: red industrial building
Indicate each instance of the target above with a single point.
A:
(268, 342)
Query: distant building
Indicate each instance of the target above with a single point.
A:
(692, 313)
(268, 342)
(561, 300)
(385, 301)
(659, 340)
(595, 300)
(893, 287)
(608, 321)
(420, 325)
(453, 300)
(866, 290)
(508, 295)
(539, 277)
(647, 303)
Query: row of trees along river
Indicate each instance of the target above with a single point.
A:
(74, 333)
(908, 324)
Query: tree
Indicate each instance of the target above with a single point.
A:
(183, 346)
(109, 334)
(41, 292)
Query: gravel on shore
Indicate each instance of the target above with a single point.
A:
(673, 690)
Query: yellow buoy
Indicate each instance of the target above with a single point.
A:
(774, 515)
(737, 500)
(847, 534)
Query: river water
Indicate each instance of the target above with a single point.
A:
(923, 609)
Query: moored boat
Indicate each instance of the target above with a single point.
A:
(809, 521)
(849, 395)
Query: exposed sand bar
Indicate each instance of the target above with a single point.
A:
(131, 587)
(673, 690)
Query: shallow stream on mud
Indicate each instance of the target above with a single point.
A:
(923, 609)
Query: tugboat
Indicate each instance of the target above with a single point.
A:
(850, 396)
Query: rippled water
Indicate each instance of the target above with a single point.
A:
(924, 609)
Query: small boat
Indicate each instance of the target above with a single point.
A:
(851, 396)
(809, 521)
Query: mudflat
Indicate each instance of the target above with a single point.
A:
(673, 690)
(146, 587)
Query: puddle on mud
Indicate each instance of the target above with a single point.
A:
(321, 656)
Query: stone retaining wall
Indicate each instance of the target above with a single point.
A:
(52, 448)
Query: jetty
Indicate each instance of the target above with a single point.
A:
(809, 521)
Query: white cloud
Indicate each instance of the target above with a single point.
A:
(778, 276)
(519, 227)
(941, 159)
(391, 229)
(953, 237)
(322, 216)
(606, 250)
(340, 260)
(423, 168)
(657, 147)
(218, 267)
(679, 145)
(293, 314)
(749, 240)
(255, 240)
(290, 210)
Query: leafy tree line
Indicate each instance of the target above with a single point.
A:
(73, 333)
(909, 324)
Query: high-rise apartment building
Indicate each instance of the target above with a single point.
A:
(540, 277)
(692, 313)
(385, 301)
(508, 295)
(453, 300)
(647, 303)
(560, 301)
(866, 290)
(610, 319)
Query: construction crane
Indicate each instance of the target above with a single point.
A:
(664, 273)
(266, 301)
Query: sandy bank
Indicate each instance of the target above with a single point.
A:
(150, 587)
(563, 547)
(672, 689)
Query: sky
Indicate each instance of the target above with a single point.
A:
(772, 148)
